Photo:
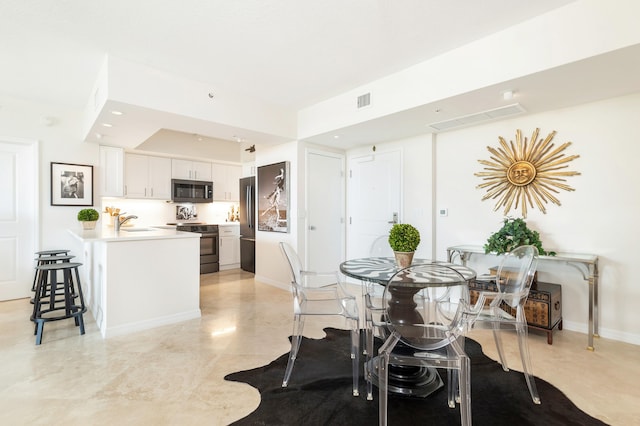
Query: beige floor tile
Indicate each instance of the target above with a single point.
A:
(174, 375)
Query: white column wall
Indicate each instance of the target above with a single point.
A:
(270, 264)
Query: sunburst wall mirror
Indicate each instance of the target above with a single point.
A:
(527, 173)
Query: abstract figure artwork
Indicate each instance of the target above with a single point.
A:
(273, 197)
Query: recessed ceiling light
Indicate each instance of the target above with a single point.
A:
(114, 112)
(336, 136)
(107, 124)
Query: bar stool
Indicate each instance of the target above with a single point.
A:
(48, 305)
(46, 260)
(48, 256)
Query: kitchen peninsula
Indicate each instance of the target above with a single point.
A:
(140, 278)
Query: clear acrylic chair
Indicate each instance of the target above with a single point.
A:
(317, 293)
(431, 333)
(513, 279)
(374, 309)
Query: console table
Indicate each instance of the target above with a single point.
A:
(586, 264)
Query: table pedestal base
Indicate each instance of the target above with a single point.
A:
(408, 380)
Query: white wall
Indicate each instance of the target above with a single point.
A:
(59, 142)
(270, 265)
(600, 217)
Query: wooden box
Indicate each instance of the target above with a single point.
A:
(510, 272)
(543, 308)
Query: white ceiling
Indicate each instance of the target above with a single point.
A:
(289, 52)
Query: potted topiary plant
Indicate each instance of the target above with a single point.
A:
(514, 233)
(404, 240)
(88, 218)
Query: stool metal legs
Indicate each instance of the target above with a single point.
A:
(48, 304)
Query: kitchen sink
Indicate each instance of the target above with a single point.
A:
(137, 229)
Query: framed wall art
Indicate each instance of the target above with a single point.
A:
(71, 184)
(273, 197)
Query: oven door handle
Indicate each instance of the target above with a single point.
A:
(208, 234)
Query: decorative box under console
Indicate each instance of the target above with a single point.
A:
(543, 308)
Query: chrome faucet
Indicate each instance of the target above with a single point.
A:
(125, 219)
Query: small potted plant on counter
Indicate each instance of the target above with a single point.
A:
(88, 218)
(404, 240)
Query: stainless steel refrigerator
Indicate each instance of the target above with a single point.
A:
(247, 213)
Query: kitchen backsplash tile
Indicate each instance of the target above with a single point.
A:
(155, 212)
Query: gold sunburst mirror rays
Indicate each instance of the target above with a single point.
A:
(526, 173)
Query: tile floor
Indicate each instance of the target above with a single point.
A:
(173, 375)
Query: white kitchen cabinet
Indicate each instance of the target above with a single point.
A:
(226, 182)
(188, 169)
(229, 246)
(248, 169)
(147, 177)
(111, 171)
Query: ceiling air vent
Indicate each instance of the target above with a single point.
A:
(364, 100)
(478, 117)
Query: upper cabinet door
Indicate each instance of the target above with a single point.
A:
(192, 170)
(159, 178)
(111, 171)
(136, 172)
(234, 173)
(181, 169)
(202, 171)
(147, 177)
(226, 182)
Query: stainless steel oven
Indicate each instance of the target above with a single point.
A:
(209, 246)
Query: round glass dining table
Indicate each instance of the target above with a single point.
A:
(379, 270)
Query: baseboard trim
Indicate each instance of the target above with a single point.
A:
(149, 324)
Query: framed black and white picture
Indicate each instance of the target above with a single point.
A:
(71, 184)
(273, 197)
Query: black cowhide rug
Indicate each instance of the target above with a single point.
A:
(319, 393)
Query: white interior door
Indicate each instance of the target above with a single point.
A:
(374, 199)
(325, 211)
(18, 218)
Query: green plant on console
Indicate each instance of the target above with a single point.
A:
(88, 215)
(404, 237)
(514, 233)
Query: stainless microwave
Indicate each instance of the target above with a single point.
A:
(191, 191)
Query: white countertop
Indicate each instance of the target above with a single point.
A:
(130, 234)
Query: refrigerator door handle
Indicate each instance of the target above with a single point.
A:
(249, 206)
